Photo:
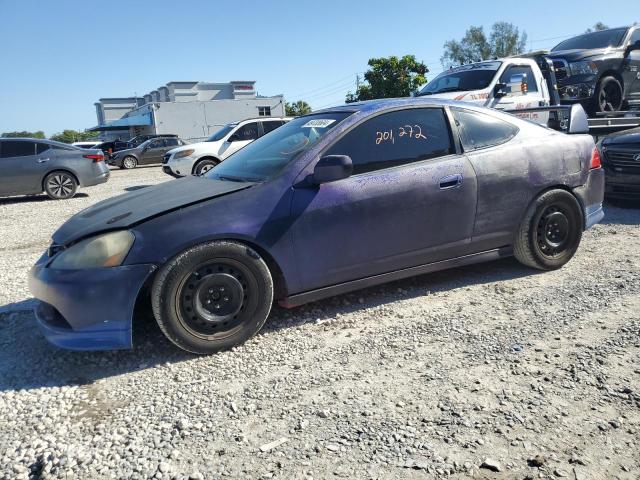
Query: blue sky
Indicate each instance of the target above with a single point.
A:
(60, 56)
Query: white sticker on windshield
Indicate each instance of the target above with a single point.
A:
(318, 123)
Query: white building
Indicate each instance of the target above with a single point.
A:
(191, 110)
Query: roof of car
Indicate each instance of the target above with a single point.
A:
(385, 103)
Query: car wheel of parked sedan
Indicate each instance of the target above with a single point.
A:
(60, 185)
(608, 95)
(550, 232)
(129, 162)
(203, 166)
(212, 297)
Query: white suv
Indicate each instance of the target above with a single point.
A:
(199, 158)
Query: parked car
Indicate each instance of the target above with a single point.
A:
(199, 158)
(139, 139)
(600, 70)
(621, 162)
(89, 144)
(333, 201)
(29, 166)
(146, 153)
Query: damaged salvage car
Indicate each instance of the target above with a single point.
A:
(333, 201)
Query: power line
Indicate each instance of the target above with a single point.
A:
(329, 85)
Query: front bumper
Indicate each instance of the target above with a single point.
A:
(88, 309)
(180, 167)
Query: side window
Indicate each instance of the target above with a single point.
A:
(248, 131)
(171, 142)
(157, 143)
(16, 148)
(42, 147)
(479, 130)
(270, 126)
(515, 75)
(396, 138)
(635, 36)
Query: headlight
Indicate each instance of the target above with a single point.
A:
(107, 250)
(183, 153)
(583, 68)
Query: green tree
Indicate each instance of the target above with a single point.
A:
(390, 77)
(296, 108)
(597, 27)
(23, 134)
(504, 40)
(70, 136)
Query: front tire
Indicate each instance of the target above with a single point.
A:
(129, 162)
(203, 166)
(550, 232)
(212, 297)
(608, 96)
(60, 185)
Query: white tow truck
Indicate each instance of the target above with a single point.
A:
(524, 85)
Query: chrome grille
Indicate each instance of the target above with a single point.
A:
(561, 69)
(623, 158)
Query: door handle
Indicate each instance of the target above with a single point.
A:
(451, 181)
(43, 160)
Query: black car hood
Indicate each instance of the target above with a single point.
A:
(578, 55)
(626, 136)
(126, 210)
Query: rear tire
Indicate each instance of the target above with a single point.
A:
(129, 162)
(550, 232)
(60, 185)
(203, 166)
(212, 297)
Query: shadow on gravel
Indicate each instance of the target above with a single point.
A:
(621, 212)
(136, 187)
(35, 198)
(28, 361)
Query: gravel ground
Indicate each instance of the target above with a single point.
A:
(489, 371)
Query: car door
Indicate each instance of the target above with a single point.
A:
(242, 136)
(501, 165)
(169, 144)
(410, 201)
(19, 167)
(153, 152)
(523, 89)
(631, 70)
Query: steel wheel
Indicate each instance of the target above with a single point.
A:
(129, 162)
(60, 185)
(552, 232)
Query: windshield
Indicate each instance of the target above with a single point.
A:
(603, 39)
(220, 134)
(268, 155)
(466, 77)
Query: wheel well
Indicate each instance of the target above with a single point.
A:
(545, 190)
(208, 157)
(59, 170)
(616, 75)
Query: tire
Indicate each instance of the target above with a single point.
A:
(129, 162)
(608, 96)
(60, 185)
(550, 232)
(212, 297)
(203, 166)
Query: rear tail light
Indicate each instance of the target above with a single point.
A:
(95, 158)
(595, 159)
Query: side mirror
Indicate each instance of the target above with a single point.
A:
(632, 47)
(332, 168)
(500, 90)
(578, 122)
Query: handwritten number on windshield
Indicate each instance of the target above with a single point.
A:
(409, 131)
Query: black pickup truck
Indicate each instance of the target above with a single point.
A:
(600, 70)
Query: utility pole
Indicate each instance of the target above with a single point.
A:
(357, 82)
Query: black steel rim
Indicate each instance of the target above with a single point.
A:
(60, 185)
(553, 232)
(215, 298)
(610, 98)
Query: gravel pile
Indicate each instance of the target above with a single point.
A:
(489, 371)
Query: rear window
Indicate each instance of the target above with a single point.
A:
(16, 148)
(478, 130)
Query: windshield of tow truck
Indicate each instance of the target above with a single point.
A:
(459, 79)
